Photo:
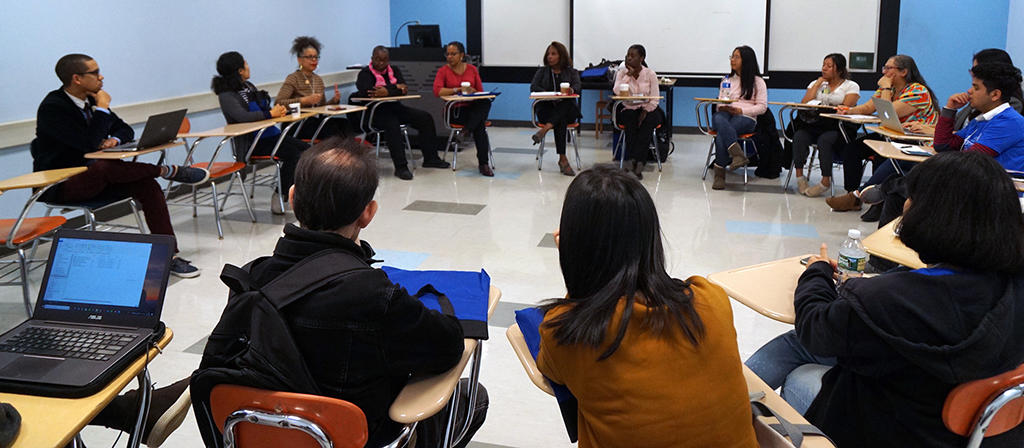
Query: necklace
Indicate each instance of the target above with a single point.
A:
(304, 76)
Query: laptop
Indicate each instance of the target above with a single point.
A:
(890, 119)
(99, 306)
(160, 129)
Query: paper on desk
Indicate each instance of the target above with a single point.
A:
(862, 117)
(546, 93)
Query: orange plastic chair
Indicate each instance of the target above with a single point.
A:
(986, 407)
(259, 418)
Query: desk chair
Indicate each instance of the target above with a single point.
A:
(704, 126)
(813, 153)
(272, 181)
(456, 129)
(574, 136)
(622, 140)
(21, 232)
(366, 125)
(986, 407)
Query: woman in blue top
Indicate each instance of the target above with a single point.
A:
(241, 102)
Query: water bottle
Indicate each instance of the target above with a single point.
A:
(852, 257)
(723, 89)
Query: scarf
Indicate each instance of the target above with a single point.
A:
(380, 76)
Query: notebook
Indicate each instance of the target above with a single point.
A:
(99, 306)
(160, 129)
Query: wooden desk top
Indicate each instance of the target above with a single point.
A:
(898, 136)
(801, 105)
(766, 288)
(461, 98)
(231, 130)
(859, 119)
(534, 96)
(47, 421)
(890, 151)
(426, 395)
(114, 155)
(387, 98)
(636, 98)
(754, 385)
(344, 109)
(40, 178)
(885, 244)
(713, 100)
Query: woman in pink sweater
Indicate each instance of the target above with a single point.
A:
(740, 117)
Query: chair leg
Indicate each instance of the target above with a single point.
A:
(455, 150)
(654, 147)
(746, 165)
(622, 150)
(245, 198)
(216, 210)
(138, 217)
(576, 147)
(252, 182)
(23, 267)
(277, 185)
(540, 154)
(707, 163)
(408, 149)
(490, 155)
(447, 146)
(792, 166)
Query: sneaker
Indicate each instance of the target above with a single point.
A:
(402, 172)
(436, 162)
(872, 195)
(844, 203)
(275, 205)
(167, 411)
(188, 175)
(801, 185)
(815, 191)
(183, 268)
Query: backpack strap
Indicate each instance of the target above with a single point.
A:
(795, 432)
(309, 274)
(446, 304)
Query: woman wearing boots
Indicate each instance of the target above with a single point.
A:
(638, 118)
(740, 117)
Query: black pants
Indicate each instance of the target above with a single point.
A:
(289, 152)
(430, 431)
(853, 161)
(335, 126)
(391, 116)
(559, 114)
(473, 118)
(638, 135)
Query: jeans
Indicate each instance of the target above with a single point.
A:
(729, 127)
(779, 364)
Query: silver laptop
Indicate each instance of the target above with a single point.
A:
(890, 119)
(99, 305)
(160, 129)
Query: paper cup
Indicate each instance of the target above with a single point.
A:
(623, 89)
(295, 109)
(465, 87)
(564, 88)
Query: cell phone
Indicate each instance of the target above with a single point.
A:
(805, 260)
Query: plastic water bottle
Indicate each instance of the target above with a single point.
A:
(723, 89)
(852, 257)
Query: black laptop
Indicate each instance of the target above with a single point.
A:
(160, 129)
(98, 308)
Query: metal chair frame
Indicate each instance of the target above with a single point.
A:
(573, 129)
(622, 138)
(458, 129)
(366, 125)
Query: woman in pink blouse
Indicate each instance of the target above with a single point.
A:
(740, 117)
(472, 115)
(638, 118)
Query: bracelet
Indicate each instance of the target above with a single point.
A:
(887, 88)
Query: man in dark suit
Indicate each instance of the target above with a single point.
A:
(75, 120)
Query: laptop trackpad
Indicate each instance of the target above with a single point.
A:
(30, 367)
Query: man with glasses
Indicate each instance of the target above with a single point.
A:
(379, 80)
(75, 120)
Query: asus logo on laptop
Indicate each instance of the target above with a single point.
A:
(95, 317)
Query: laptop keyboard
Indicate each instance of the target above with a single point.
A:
(67, 343)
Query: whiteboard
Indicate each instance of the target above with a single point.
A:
(681, 36)
(804, 31)
(516, 33)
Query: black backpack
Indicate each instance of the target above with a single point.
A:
(252, 344)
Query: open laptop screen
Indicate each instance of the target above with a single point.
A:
(106, 276)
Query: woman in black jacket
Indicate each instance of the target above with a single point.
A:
(903, 340)
(556, 115)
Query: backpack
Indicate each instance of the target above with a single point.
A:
(252, 344)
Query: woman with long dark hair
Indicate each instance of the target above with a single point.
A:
(638, 118)
(832, 88)
(652, 359)
(241, 102)
(886, 351)
(739, 117)
(556, 115)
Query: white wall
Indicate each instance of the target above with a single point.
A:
(1015, 31)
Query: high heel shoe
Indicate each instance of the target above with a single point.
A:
(565, 168)
(537, 138)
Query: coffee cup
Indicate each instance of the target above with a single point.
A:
(564, 88)
(465, 87)
(295, 109)
(623, 89)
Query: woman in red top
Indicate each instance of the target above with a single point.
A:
(472, 115)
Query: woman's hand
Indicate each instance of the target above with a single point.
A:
(733, 110)
(919, 127)
(378, 91)
(311, 99)
(884, 82)
(823, 256)
(278, 111)
(843, 110)
(337, 95)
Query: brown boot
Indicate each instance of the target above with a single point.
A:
(844, 203)
(719, 183)
(738, 157)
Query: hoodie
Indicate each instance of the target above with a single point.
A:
(903, 341)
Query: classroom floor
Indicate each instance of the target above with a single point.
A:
(463, 221)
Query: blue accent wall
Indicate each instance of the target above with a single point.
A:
(450, 14)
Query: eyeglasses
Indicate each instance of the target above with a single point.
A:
(890, 67)
(311, 58)
(733, 57)
(94, 73)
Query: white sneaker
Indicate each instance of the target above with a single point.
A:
(275, 205)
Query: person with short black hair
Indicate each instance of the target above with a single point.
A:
(556, 115)
(307, 88)
(361, 335)
(894, 346)
(75, 120)
(380, 79)
(652, 360)
(241, 102)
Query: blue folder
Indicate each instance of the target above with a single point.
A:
(467, 291)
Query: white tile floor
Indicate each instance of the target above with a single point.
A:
(522, 205)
